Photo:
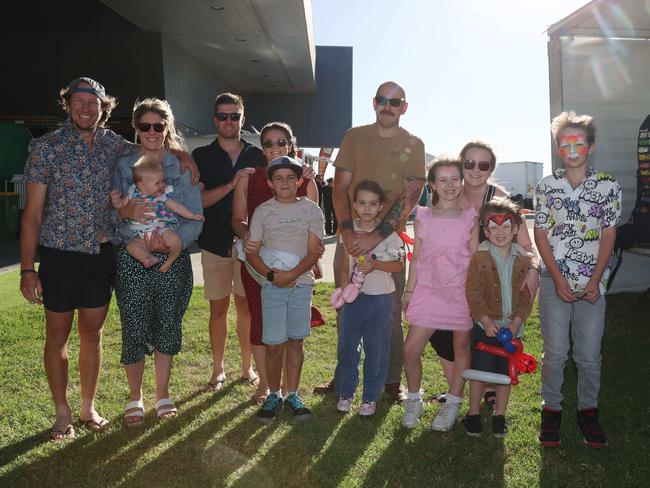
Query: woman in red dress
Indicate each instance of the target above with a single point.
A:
(251, 191)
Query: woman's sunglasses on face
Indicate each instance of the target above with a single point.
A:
(482, 165)
(268, 144)
(145, 127)
(394, 102)
(222, 116)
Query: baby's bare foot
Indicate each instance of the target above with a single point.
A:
(150, 261)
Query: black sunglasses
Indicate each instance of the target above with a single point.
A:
(394, 102)
(222, 116)
(268, 144)
(482, 165)
(146, 127)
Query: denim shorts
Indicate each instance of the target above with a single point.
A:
(286, 313)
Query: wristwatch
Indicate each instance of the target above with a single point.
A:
(270, 276)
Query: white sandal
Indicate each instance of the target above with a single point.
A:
(135, 414)
(165, 408)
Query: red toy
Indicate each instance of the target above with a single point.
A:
(406, 238)
(409, 241)
(519, 362)
(316, 318)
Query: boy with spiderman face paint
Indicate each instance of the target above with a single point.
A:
(495, 298)
(577, 210)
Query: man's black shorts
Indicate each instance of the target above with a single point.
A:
(74, 279)
(484, 361)
(443, 343)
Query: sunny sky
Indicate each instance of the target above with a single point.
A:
(471, 68)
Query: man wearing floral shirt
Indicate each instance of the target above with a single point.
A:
(577, 212)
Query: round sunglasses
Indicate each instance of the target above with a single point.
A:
(269, 143)
(482, 165)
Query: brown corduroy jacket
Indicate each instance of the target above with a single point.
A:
(483, 288)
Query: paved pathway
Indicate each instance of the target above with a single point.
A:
(326, 260)
(9, 256)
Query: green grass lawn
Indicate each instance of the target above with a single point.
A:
(215, 440)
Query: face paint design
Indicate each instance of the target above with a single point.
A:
(497, 220)
(573, 146)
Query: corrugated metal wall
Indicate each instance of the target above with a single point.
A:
(190, 87)
(317, 120)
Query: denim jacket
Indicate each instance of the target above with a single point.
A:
(184, 192)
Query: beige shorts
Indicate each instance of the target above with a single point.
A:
(219, 275)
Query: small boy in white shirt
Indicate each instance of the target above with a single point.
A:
(294, 225)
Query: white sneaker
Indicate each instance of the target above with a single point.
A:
(446, 417)
(413, 410)
(344, 405)
(367, 409)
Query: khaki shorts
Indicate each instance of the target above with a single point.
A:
(219, 274)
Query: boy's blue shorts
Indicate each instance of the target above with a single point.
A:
(286, 313)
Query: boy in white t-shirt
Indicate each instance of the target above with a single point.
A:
(294, 225)
(368, 318)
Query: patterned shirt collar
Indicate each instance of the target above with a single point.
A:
(77, 212)
(560, 173)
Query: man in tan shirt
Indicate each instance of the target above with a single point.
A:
(388, 154)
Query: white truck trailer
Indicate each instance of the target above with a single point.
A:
(519, 177)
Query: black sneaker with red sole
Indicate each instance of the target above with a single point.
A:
(592, 432)
(549, 432)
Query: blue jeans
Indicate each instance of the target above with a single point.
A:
(367, 319)
(586, 324)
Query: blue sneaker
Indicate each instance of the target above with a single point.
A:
(297, 407)
(266, 414)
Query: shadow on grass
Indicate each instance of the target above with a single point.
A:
(439, 458)
(623, 406)
(291, 458)
(104, 459)
(12, 451)
(208, 455)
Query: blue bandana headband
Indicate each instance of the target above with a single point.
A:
(94, 88)
(84, 89)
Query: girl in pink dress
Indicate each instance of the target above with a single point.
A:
(446, 236)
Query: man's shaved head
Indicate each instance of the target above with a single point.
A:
(393, 87)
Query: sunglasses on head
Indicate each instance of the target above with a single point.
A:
(268, 144)
(146, 127)
(394, 102)
(222, 116)
(482, 165)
